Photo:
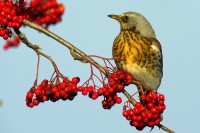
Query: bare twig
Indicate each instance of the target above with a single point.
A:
(81, 56)
(65, 43)
(38, 52)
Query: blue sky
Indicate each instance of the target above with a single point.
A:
(86, 25)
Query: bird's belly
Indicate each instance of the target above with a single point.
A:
(143, 75)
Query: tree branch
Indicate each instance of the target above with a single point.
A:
(80, 55)
(36, 49)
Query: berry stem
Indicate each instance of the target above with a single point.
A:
(37, 70)
(38, 52)
(165, 128)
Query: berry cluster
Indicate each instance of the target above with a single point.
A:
(5, 32)
(68, 89)
(116, 83)
(49, 11)
(12, 43)
(12, 14)
(45, 91)
(147, 113)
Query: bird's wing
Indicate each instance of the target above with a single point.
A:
(158, 49)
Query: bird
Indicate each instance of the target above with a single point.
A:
(136, 49)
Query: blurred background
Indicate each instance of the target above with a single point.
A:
(86, 25)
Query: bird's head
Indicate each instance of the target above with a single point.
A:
(136, 22)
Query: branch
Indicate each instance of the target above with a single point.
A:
(65, 43)
(81, 56)
(38, 52)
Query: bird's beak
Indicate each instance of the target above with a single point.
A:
(116, 17)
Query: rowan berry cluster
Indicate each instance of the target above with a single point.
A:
(116, 83)
(147, 112)
(12, 43)
(49, 11)
(67, 89)
(9, 17)
(13, 13)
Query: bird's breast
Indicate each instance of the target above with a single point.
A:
(135, 55)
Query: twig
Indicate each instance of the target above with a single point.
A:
(82, 57)
(165, 128)
(38, 52)
(65, 43)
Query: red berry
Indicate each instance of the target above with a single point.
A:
(104, 103)
(134, 123)
(145, 120)
(57, 94)
(154, 110)
(142, 108)
(118, 100)
(44, 83)
(37, 92)
(155, 96)
(149, 115)
(161, 97)
(138, 104)
(30, 105)
(157, 121)
(129, 78)
(161, 102)
(65, 96)
(75, 80)
(150, 124)
(35, 102)
(62, 85)
(44, 98)
(100, 91)
(139, 118)
(150, 95)
(94, 95)
(54, 89)
(74, 87)
(131, 112)
(80, 88)
(62, 93)
(150, 105)
(134, 117)
(143, 114)
(111, 90)
(120, 87)
(128, 118)
(125, 113)
(29, 95)
(136, 111)
(90, 88)
(160, 108)
(84, 91)
(164, 107)
(111, 81)
(155, 116)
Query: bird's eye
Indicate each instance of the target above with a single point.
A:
(125, 18)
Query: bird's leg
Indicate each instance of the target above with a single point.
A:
(76, 57)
